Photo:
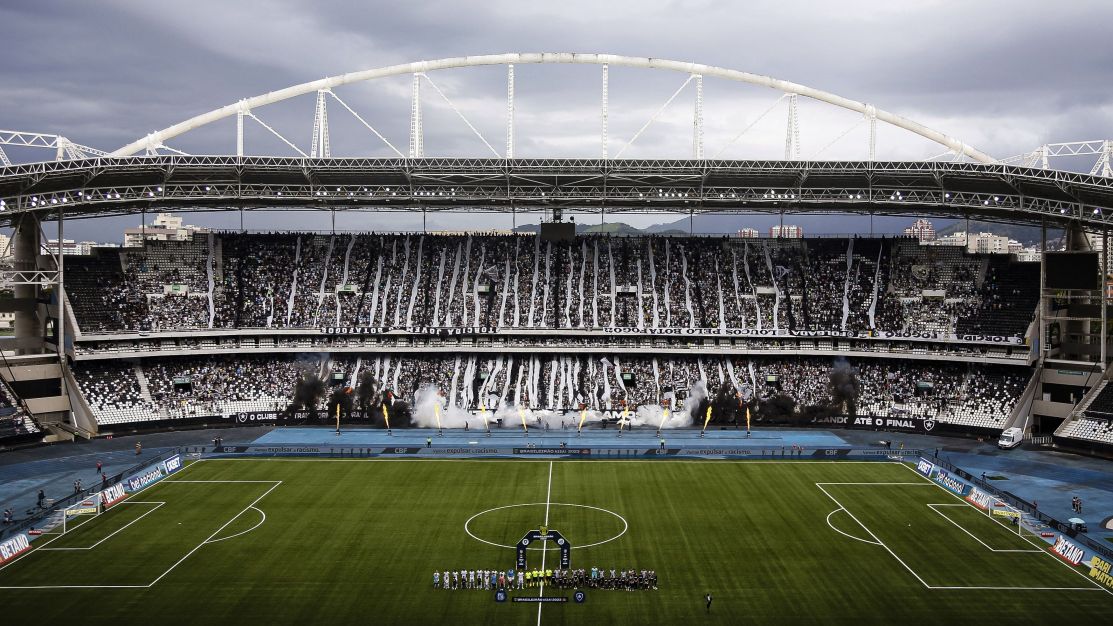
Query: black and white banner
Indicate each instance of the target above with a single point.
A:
(677, 332)
(906, 424)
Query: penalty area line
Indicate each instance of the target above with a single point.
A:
(217, 532)
(1093, 584)
(879, 542)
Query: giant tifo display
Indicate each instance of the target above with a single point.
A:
(530, 419)
(603, 325)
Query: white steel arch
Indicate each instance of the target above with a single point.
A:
(157, 138)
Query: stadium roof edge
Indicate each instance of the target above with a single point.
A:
(131, 185)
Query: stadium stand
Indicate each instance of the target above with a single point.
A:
(971, 395)
(1098, 430)
(14, 420)
(236, 280)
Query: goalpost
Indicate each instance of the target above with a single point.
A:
(1009, 516)
(90, 506)
(996, 509)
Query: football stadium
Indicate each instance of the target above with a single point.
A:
(554, 422)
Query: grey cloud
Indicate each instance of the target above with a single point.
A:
(1005, 76)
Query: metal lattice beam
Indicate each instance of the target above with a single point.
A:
(422, 67)
(130, 185)
(63, 147)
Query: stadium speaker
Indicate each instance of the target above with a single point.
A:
(558, 231)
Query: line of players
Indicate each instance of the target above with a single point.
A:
(601, 578)
(596, 578)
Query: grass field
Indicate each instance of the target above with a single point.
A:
(321, 541)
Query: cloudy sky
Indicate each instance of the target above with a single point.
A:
(1005, 76)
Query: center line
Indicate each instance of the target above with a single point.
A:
(545, 546)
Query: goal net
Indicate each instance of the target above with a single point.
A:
(1009, 516)
(87, 508)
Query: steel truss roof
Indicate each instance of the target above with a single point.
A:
(130, 185)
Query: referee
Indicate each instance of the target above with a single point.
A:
(708, 598)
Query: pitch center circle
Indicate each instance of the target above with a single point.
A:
(467, 524)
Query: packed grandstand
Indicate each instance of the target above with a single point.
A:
(598, 323)
(759, 419)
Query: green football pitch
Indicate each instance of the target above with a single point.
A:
(357, 541)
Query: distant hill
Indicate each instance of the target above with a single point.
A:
(610, 228)
(846, 224)
(1027, 235)
(842, 224)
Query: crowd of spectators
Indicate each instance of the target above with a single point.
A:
(292, 280)
(191, 387)
(197, 386)
(113, 392)
(14, 419)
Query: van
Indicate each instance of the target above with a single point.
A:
(1010, 438)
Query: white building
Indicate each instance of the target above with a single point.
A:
(788, 231)
(165, 227)
(921, 229)
(6, 251)
(981, 243)
(748, 233)
(69, 246)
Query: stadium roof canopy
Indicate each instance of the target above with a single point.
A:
(135, 184)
